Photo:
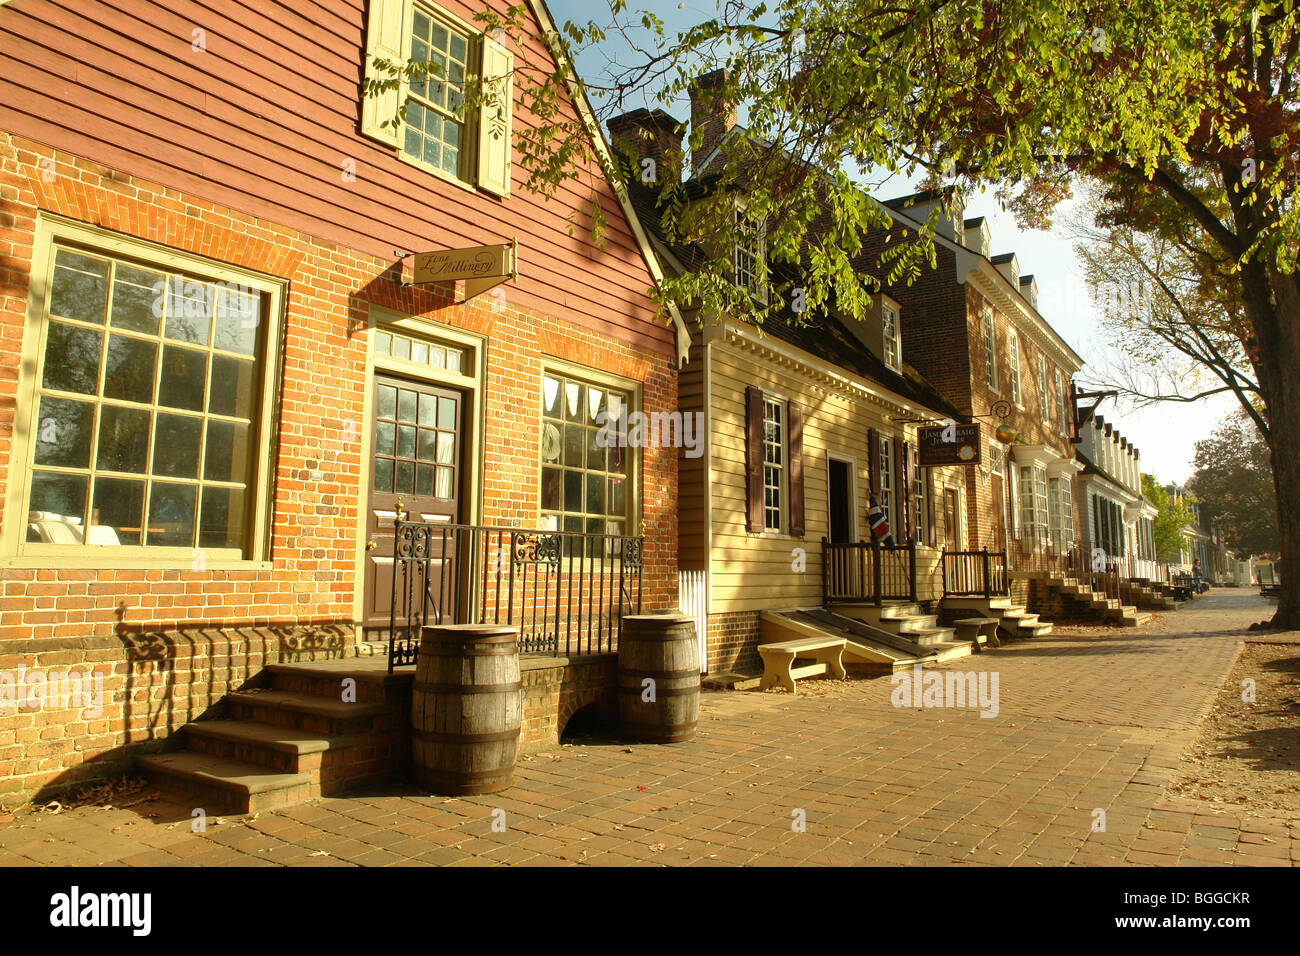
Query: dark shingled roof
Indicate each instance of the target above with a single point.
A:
(825, 335)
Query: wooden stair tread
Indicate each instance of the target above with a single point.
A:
(233, 775)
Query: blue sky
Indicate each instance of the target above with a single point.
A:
(1165, 434)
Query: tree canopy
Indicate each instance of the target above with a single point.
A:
(1234, 483)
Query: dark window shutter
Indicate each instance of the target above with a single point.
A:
(753, 459)
(932, 536)
(795, 417)
(873, 462)
(902, 482)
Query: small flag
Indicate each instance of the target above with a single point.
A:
(879, 524)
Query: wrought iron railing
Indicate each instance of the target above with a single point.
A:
(867, 572)
(981, 573)
(566, 591)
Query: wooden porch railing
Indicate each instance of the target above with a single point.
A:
(867, 572)
(981, 573)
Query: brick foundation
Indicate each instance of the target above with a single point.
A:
(733, 642)
(556, 688)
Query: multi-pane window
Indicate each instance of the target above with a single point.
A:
(419, 351)
(1063, 403)
(415, 442)
(1013, 360)
(1061, 513)
(436, 131)
(893, 348)
(148, 408)
(748, 253)
(990, 351)
(585, 473)
(918, 503)
(773, 462)
(1033, 502)
(1043, 407)
(887, 482)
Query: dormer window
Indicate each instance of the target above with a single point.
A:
(748, 253)
(893, 347)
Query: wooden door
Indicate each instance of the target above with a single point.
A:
(951, 520)
(415, 456)
(999, 503)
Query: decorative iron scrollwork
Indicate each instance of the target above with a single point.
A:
(632, 551)
(527, 547)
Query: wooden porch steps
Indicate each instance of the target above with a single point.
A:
(873, 647)
(1014, 620)
(315, 729)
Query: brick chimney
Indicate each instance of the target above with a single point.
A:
(654, 134)
(711, 117)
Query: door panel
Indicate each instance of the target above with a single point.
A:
(951, 517)
(415, 457)
(999, 512)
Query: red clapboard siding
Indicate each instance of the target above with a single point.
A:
(263, 122)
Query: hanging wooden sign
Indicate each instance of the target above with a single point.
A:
(948, 445)
(481, 267)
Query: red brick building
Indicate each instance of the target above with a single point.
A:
(218, 380)
(971, 326)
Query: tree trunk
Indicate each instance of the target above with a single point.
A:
(1280, 361)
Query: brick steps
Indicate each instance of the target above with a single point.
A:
(296, 740)
(221, 785)
(1070, 599)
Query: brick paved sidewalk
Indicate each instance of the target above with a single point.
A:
(1087, 721)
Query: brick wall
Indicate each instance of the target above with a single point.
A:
(319, 470)
(555, 689)
(733, 642)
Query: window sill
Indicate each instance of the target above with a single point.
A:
(419, 164)
(105, 563)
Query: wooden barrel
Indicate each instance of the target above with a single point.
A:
(660, 648)
(466, 709)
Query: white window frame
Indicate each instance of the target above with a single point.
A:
(1043, 404)
(15, 550)
(467, 161)
(1063, 408)
(990, 350)
(778, 469)
(1013, 361)
(892, 336)
(746, 276)
(887, 504)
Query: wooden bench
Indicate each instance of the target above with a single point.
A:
(972, 628)
(1184, 587)
(779, 658)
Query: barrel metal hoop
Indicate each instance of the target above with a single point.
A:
(500, 737)
(433, 688)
